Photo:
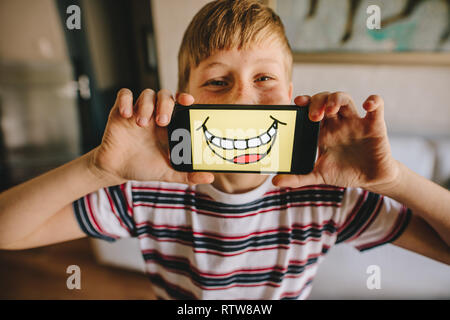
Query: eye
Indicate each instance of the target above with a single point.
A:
(216, 83)
(264, 78)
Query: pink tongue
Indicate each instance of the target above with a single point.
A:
(247, 158)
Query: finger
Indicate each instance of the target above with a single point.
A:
(200, 177)
(164, 107)
(317, 106)
(374, 105)
(296, 181)
(342, 103)
(302, 101)
(144, 107)
(124, 102)
(185, 99)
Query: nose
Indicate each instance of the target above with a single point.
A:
(243, 93)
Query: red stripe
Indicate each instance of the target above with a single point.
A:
(398, 224)
(267, 283)
(92, 219)
(130, 210)
(296, 293)
(188, 293)
(163, 226)
(215, 288)
(249, 271)
(218, 253)
(111, 203)
(273, 192)
(355, 210)
(91, 215)
(369, 221)
(219, 236)
(186, 260)
(314, 224)
(218, 275)
(280, 190)
(294, 205)
(298, 242)
(169, 190)
(171, 285)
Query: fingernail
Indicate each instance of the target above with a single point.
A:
(368, 104)
(142, 121)
(163, 119)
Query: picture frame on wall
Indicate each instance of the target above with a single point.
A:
(398, 32)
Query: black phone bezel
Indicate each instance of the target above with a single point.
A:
(305, 137)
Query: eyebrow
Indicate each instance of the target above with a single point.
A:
(213, 64)
(263, 60)
(267, 60)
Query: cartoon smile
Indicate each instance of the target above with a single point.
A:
(220, 145)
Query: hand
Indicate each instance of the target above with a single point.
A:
(353, 151)
(134, 144)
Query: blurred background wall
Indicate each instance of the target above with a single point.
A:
(57, 85)
(38, 109)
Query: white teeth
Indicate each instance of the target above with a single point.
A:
(216, 141)
(272, 131)
(240, 144)
(227, 144)
(265, 138)
(254, 142)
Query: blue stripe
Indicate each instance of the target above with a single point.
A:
(360, 218)
(184, 267)
(173, 293)
(278, 238)
(82, 218)
(121, 205)
(307, 284)
(219, 207)
(405, 223)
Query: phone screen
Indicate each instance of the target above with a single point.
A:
(243, 140)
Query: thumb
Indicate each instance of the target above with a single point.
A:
(185, 99)
(374, 105)
(200, 177)
(297, 180)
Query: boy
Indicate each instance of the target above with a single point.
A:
(233, 236)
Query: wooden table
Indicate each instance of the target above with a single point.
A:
(41, 274)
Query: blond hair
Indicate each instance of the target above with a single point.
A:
(228, 24)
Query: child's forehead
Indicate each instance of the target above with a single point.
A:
(255, 54)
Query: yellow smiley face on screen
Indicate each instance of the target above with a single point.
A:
(242, 140)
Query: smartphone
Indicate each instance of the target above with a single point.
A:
(242, 138)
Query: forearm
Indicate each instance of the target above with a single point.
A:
(26, 206)
(424, 197)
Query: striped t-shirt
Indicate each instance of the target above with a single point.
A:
(201, 243)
